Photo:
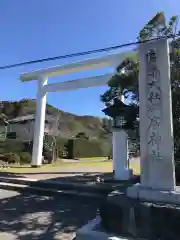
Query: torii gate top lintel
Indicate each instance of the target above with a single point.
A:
(111, 60)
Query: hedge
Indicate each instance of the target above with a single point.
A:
(61, 144)
(11, 145)
(78, 148)
(25, 158)
(11, 157)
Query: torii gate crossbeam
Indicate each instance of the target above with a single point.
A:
(111, 60)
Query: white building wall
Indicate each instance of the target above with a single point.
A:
(23, 131)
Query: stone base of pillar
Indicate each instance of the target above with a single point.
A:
(123, 174)
(137, 191)
(94, 231)
(35, 166)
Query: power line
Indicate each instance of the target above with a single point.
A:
(84, 53)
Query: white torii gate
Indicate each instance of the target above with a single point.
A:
(111, 60)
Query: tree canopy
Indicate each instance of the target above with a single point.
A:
(126, 81)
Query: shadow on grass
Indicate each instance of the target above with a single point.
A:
(99, 185)
(30, 216)
(70, 180)
(82, 177)
(9, 174)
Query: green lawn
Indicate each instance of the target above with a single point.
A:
(100, 166)
(93, 159)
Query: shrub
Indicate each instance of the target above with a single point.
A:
(25, 158)
(47, 157)
(11, 145)
(11, 158)
(3, 164)
(61, 146)
(78, 148)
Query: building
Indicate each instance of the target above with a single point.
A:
(23, 127)
(3, 129)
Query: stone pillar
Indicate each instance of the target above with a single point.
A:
(39, 123)
(120, 155)
(156, 131)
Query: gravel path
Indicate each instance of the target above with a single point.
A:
(28, 216)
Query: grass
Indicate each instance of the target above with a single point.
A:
(100, 166)
(135, 165)
(60, 167)
(93, 159)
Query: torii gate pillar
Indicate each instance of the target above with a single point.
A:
(39, 122)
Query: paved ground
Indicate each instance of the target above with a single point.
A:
(28, 216)
(85, 161)
(71, 177)
(71, 173)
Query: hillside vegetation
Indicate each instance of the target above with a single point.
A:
(70, 124)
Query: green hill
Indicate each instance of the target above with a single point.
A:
(70, 124)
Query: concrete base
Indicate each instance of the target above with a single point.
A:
(93, 231)
(124, 174)
(35, 166)
(138, 191)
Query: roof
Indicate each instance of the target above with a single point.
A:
(3, 122)
(22, 118)
(29, 117)
(116, 109)
(112, 59)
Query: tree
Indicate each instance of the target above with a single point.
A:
(82, 135)
(126, 81)
(8, 109)
(17, 109)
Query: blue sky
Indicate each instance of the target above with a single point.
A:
(43, 28)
